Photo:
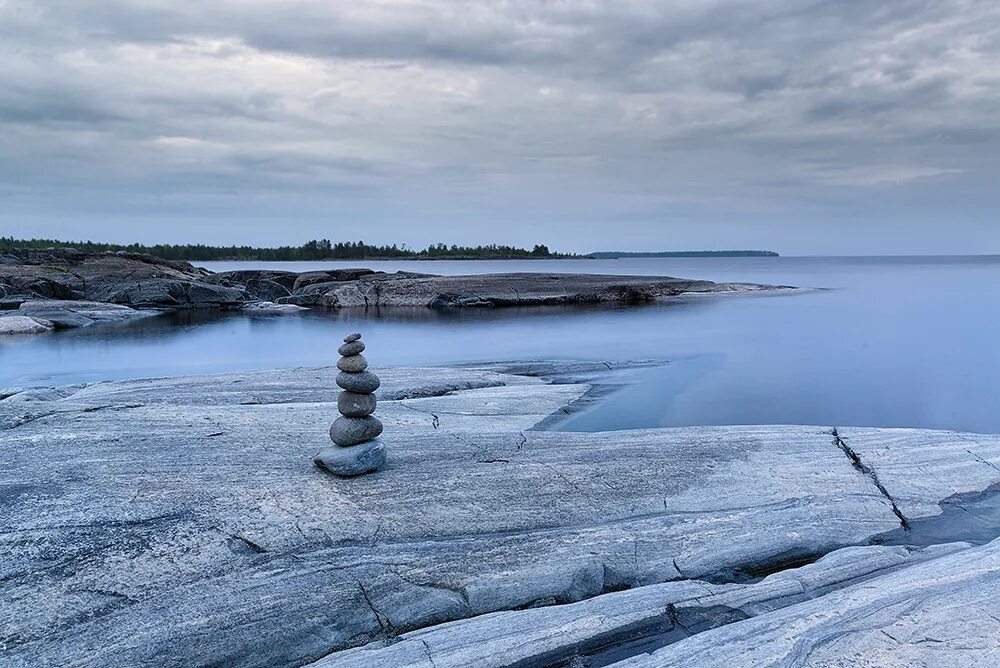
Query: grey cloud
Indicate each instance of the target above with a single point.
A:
(537, 112)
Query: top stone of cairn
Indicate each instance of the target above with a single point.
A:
(351, 338)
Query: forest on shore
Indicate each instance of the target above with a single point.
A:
(322, 249)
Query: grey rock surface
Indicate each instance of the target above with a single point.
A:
(66, 314)
(271, 307)
(355, 460)
(942, 613)
(620, 623)
(180, 521)
(346, 431)
(69, 274)
(518, 289)
(22, 324)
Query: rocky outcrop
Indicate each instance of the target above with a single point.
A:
(497, 290)
(20, 324)
(65, 314)
(180, 521)
(145, 282)
(120, 278)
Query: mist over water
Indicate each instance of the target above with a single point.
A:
(892, 342)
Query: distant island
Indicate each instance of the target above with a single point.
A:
(322, 249)
(615, 255)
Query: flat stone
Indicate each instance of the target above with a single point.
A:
(22, 324)
(352, 460)
(352, 364)
(351, 338)
(352, 404)
(363, 382)
(347, 431)
(352, 348)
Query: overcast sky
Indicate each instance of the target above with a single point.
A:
(801, 126)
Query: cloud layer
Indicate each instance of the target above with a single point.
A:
(799, 125)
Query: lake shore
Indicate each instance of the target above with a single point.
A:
(181, 520)
(61, 289)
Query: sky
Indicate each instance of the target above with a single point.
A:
(800, 126)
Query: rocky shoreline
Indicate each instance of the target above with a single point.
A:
(181, 521)
(42, 290)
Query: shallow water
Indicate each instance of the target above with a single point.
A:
(895, 342)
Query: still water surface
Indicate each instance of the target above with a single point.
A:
(892, 341)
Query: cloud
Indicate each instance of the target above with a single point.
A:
(523, 115)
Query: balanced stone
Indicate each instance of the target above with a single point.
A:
(353, 404)
(364, 382)
(352, 364)
(347, 431)
(359, 459)
(350, 338)
(352, 348)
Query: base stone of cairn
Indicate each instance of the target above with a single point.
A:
(355, 433)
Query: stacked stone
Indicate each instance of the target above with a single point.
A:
(358, 449)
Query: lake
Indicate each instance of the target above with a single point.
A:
(901, 341)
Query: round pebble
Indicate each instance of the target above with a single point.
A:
(351, 338)
(352, 461)
(364, 382)
(351, 430)
(352, 348)
(353, 404)
(352, 364)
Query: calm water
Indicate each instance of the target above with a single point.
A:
(894, 342)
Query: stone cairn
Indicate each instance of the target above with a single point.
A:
(358, 449)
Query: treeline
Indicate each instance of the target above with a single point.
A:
(615, 255)
(321, 249)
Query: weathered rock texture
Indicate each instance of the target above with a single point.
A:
(180, 522)
(493, 290)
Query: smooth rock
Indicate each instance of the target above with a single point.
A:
(351, 349)
(353, 404)
(21, 324)
(353, 460)
(351, 338)
(132, 509)
(66, 314)
(347, 431)
(364, 382)
(352, 364)
(271, 307)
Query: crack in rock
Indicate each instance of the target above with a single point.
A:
(870, 472)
